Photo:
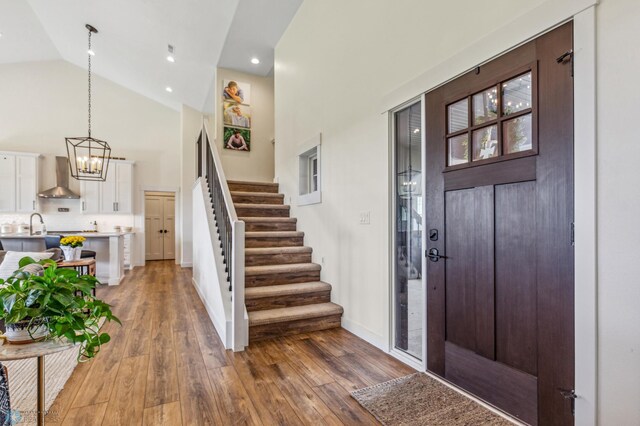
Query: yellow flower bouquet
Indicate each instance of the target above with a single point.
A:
(72, 241)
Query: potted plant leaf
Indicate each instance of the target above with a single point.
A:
(51, 302)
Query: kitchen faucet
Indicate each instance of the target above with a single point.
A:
(31, 222)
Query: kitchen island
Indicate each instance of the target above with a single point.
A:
(109, 248)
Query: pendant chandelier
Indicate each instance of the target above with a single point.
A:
(88, 157)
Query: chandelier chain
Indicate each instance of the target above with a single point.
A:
(89, 55)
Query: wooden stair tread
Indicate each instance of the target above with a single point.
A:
(294, 313)
(257, 194)
(280, 269)
(277, 250)
(261, 206)
(267, 219)
(273, 234)
(286, 289)
(242, 182)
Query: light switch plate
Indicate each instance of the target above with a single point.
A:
(365, 218)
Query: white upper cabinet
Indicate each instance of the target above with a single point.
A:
(124, 188)
(8, 179)
(90, 196)
(114, 195)
(19, 182)
(26, 183)
(108, 187)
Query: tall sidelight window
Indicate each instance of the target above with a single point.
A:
(408, 231)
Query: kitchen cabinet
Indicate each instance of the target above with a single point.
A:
(19, 178)
(127, 250)
(114, 195)
(90, 196)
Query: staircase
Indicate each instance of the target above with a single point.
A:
(283, 291)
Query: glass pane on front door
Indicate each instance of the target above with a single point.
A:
(408, 293)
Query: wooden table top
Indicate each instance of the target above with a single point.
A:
(10, 352)
(81, 262)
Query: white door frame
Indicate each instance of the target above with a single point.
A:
(418, 364)
(178, 240)
(527, 27)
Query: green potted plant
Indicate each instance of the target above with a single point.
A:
(50, 302)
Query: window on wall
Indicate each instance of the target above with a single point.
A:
(313, 173)
(495, 124)
(310, 173)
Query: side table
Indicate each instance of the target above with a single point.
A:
(83, 266)
(12, 352)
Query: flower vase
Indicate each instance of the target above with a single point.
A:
(77, 253)
(71, 253)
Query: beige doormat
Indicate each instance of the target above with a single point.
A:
(421, 400)
(23, 382)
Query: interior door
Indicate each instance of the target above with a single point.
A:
(169, 226)
(500, 296)
(154, 228)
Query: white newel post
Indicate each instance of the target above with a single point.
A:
(240, 324)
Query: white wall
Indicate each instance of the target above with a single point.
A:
(618, 212)
(209, 277)
(256, 165)
(333, 71)
(42, 102)
(191, 125)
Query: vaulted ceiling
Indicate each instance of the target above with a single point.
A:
(131, 46)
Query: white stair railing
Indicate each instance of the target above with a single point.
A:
(230, 231)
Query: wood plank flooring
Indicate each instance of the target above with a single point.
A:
(167, 366)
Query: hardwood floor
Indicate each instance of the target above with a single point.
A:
(167, 366)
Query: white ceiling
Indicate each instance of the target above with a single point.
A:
(23, 38)
(256, 28)
(131, 46)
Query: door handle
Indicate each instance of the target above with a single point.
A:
(434, 255)
(570, 394)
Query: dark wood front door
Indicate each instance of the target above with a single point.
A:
(500, 298)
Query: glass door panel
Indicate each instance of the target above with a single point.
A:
(408, 231)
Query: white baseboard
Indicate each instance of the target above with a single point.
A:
(186, 265)
(365, 334)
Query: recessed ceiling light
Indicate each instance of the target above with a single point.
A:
(255, 61)
(168, 89)
(91, 52)
(171, 58)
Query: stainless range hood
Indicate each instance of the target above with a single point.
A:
(61, 190)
